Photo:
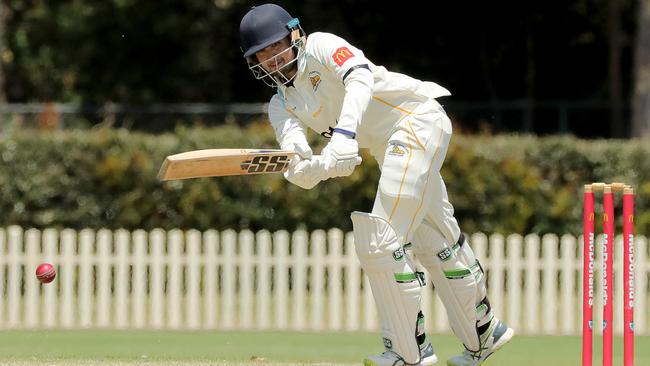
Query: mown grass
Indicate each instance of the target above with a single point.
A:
(153, 348)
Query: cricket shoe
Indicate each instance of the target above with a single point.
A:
(390, 358)
(494, 338)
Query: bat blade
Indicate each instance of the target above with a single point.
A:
(224, 162)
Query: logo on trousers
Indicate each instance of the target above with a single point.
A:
(396, 150)
(398, 254)
(444, 254)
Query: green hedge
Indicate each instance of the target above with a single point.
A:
(107, 178)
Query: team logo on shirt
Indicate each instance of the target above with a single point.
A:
(396, 150)
(314, 78)
(341, 55)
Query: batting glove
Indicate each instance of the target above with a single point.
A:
(302, 150)
(307, 174)
(341, 155)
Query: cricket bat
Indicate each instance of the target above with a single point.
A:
(224, 162)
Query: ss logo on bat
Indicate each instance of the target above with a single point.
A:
(265, 164)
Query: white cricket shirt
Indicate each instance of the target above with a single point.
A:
(376, 102)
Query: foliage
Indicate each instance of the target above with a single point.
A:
(96, 51)
(525, 184)
(107, 178)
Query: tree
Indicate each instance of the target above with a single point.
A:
(3, 50)
(641, 99)
(614, 37)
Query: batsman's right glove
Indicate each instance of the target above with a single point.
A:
(341, 155)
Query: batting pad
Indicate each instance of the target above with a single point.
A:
(458, 280)
(393, 281)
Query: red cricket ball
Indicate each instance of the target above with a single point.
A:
(45, 273)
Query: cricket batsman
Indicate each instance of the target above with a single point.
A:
(326, 84)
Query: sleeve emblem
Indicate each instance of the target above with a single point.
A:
(341, 55)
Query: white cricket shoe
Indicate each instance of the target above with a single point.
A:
(390, 358)
(494, 338)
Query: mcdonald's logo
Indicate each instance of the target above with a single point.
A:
(630, 218)
(341, 55)
(591, 216)
(605, 218)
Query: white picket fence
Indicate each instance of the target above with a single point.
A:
(293, 281)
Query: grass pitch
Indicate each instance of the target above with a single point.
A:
(154, 348)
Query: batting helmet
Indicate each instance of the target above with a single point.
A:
(264, 25)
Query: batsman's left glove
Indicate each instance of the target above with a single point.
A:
(307, 174)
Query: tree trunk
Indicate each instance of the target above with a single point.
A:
(493, 125)
(616, 128)
(529, 109)
(3, 49)
(641, 101)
